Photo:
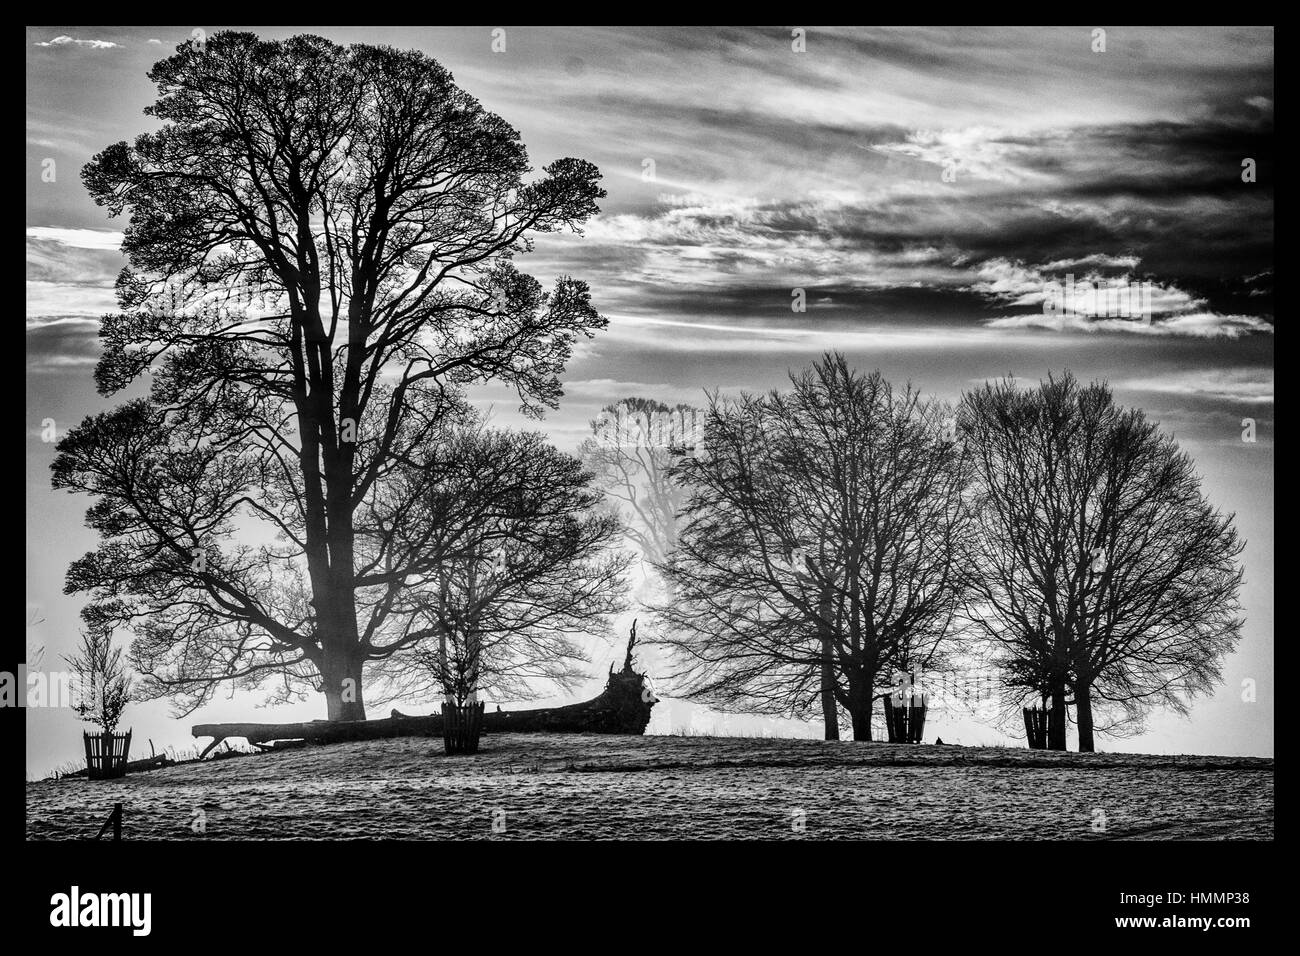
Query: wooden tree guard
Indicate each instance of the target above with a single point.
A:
(106, 755)
(461, 727)
(904, 723)
(1038, 722)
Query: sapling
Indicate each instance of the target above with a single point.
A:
(105, 684)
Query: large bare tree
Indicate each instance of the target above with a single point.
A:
(321, 244)
(1100, 570)
(822, 543)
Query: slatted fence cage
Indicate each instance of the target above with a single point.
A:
(1038, 726)
(106, 755)
(904, 723)
(461, 727)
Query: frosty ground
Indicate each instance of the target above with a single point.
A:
(579, 786)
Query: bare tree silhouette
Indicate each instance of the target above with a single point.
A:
(631, 452)
(1101, 570)
(105, 683)
(821, 546)
(321, 246)
(520, 564)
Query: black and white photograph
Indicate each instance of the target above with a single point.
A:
(854, 436)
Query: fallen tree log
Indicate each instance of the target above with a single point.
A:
(623, 707)
(280, 745)
(319, 731)
(134, 766)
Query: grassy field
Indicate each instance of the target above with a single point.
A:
(538, 787)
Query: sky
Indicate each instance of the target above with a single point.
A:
(918, 189)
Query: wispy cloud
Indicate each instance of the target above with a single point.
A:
(50, 298)
(77, 238)
(66, 41)
(1201, 325)
(1249, 386)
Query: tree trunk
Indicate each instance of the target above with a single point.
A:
(1056, 721)
(612, 712)
(341, 683)
(133, 766)
(830, 708)
(330, 534)
(861, 691)
(862, 724)
(1083, 710)
(623, 707)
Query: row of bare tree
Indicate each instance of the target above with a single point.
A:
(830, 535)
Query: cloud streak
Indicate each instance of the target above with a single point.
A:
(66, 41)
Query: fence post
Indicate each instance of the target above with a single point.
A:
(114, 818)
